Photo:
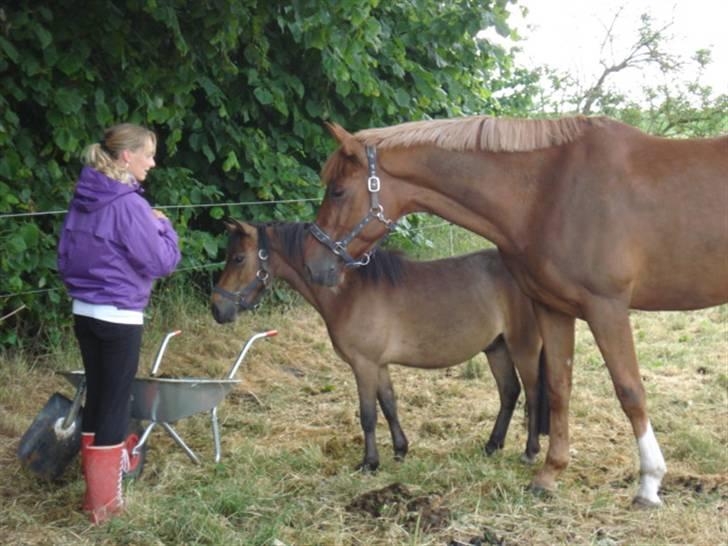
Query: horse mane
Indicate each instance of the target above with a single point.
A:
(384, 264)
(476, 133)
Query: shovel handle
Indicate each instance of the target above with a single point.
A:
(75, 405)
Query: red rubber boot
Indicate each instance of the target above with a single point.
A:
(103, 481)
(87, 439)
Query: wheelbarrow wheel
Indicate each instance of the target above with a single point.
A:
(136, 462)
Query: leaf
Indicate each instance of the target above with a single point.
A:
(9, 49)
(263, 95)
(65, 139)
(401, 97)
(30, 234)
(231, 162)
(210, 246)
(68, 101)
(44, 37)
(209, 154)
(16, 244)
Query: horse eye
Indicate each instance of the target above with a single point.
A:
(336, 191)
(239, 258)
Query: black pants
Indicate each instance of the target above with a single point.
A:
(110, 355)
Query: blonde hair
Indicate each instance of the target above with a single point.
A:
(102, 155)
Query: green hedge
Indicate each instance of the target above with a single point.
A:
(237, 91)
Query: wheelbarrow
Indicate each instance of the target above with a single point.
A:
(54, 437)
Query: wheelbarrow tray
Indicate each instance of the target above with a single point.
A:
(166, 400)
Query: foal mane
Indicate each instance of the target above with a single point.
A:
(477, 133)
(384, 264)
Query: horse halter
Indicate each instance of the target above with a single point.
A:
(262, 278)
(376, 212)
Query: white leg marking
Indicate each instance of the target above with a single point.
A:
(652, 467)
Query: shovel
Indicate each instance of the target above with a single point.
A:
(54, 437)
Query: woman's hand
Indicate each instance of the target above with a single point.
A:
(159, 214)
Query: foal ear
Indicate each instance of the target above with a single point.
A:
(236, 226)
(349, 145)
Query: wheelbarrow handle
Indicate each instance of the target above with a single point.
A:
(162, 348)
(241, 356)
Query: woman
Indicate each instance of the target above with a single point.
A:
(112, 247)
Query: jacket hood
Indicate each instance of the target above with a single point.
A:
(95, 190)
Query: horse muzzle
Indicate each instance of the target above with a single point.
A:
(223, 311)
(326, 271)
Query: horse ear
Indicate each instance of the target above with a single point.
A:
(230, 225)
(349, 145)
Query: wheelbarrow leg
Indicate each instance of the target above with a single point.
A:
(143, 440)
(215, 433)
(180, 442)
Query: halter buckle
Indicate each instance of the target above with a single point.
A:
(339, 248)
(374, 184)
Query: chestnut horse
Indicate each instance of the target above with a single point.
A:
(591, 216)
(421, 314)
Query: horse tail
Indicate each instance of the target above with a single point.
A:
(543, 405)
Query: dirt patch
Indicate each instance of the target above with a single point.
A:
(696, 485)
(397, 502)
(488, 538)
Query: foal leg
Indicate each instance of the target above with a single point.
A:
(525, 352)
(388, 403)
(366, 374)
(557, 331)
(501, 366)
(609, 323)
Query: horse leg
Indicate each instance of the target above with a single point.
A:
(609, 323)
(557, 331)
(501, 366)
(525, 355)
(388, 403)
(366, 374)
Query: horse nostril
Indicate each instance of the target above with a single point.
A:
(220, 316)
(308, 272)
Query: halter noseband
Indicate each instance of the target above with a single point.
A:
(376, 212)
(262, 278)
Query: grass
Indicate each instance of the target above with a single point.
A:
(291, 439)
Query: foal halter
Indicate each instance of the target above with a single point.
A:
(262, 278)
(376, 212)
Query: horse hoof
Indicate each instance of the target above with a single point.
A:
(541, 488)
(492, 447)
(528, 459)
(642, 503)
(539, 491)
(367, 468)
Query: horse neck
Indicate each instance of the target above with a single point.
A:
(492, 194)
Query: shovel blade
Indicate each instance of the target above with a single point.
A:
(47, 447)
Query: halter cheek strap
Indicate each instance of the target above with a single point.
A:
(376, 212)
(262, 279)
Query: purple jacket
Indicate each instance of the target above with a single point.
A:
(112, 246)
